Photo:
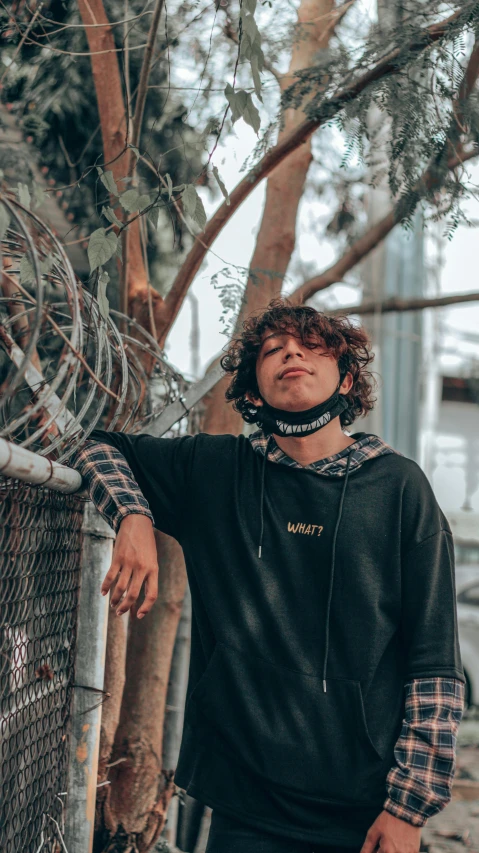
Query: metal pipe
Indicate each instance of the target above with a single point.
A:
(88, 689)
(175, 707)
(177, 410)
(22, 464)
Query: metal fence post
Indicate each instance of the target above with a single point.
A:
(175, 708)
(90, 663)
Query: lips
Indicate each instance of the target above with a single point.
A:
(297, 429)
(293, 370)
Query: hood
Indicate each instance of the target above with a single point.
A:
(366, 446)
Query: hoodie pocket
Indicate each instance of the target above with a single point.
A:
(283, 727)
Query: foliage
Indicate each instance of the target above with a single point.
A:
(419, 99)
(182, 125)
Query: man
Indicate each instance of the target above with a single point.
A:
(326, 686)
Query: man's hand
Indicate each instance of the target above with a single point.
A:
(134, 561)
(390, 834)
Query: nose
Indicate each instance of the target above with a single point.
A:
(292, 348)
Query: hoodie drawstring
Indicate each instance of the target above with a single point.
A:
(333, 556)
(261, 499)
(331, 577)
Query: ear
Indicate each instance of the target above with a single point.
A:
(256, 401)
(346, 384)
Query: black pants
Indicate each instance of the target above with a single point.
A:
(228, 835)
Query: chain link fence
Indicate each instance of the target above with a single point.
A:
(40, 552)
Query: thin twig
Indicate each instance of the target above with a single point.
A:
(22, 40)
(145, 73)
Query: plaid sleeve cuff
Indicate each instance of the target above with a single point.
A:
(420, 783)
(110, 482)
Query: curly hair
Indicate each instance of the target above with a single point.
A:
(349, 344)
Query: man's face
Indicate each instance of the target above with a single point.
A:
(292, 376)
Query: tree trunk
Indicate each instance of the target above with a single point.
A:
(132, 810)
(137, 801)
(114, 682)
(277, 234)
(117, 157)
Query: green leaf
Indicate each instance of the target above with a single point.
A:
(118, 253)
(256, 77)
(4, 221)
(101, 247)
(170, 185)
(135, 151)
(23, 195)
(108, 181)
(249, 6)
(250, 28)
(189, 199)
(200, 213)
(257, 54)
(110, 214)
(193, 206)
(154, 217)
(251, 115)
(237, 102)
(38, 196)
(129, 200)
(144, 201)
(47, 264)
(103, 304)
(27, 274)
(221, 185)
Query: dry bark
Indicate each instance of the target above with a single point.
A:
(115, 136)
(138, 798)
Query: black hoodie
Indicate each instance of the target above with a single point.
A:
(299, 656)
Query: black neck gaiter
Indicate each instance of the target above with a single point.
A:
(300, 423)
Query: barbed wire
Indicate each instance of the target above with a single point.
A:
(67, 365)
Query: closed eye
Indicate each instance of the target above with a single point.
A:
(268, 352)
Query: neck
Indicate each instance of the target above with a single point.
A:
(327, 441)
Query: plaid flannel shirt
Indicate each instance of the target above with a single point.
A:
(419, 784)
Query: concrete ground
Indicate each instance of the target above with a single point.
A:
(456, 828)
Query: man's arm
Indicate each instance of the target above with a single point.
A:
(110, 482)
(117, 496)
(420, 784)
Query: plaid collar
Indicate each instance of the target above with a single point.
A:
(367, 446)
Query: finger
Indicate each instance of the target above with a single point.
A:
(132, 594)
(151, 594)
(110, 577)
(371, 842)
(121, 586)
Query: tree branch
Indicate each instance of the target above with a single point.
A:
(145, 73)
(381, 229)
(394, 303)
(389, 64)
(362, 247)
